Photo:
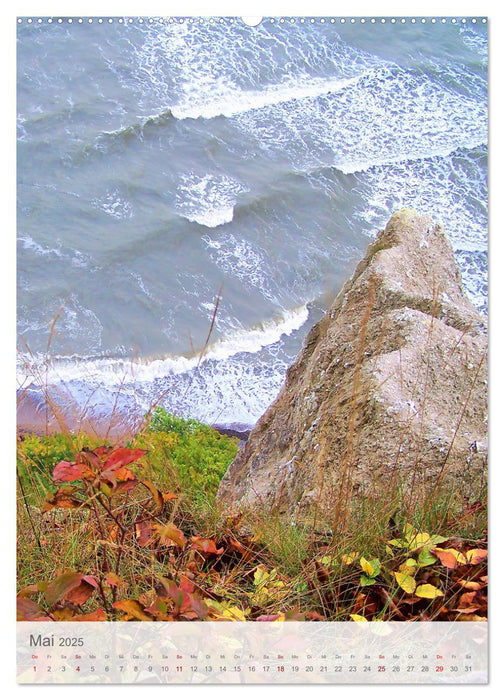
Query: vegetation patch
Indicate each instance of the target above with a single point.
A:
(133, 532)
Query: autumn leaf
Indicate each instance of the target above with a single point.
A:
(159, 609)
(122, 457)
(62, 587)
(357, 618)
(476, 556)
(113, 579)
(97, 615)
(225, 610)
(28, 609)
(28, 591)
(122, 479)
(80, 594)
(406, 582)
(133, 609)
(157, 496)
(469, 585)
(63, 498)
(165, 588)
(468, 600)
(236, 546)
(370, 568)
(450, 558)
(169, 534)
(144, 530)
(170, 496)
(426, 590)
(409, 567)
(202, 544)
(348, 559)
(70, 471)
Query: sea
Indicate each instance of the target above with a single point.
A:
(193, 193)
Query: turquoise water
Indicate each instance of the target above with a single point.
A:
(165, 163)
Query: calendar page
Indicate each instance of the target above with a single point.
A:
(252, 350)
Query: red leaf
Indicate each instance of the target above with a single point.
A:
(103, 450)
(64, 585)
(124, 486)
(70, 471)
(205, 545)
(314, 616)
(234, 545)
(80, 594)
(29, 590)
(119, 474)
(267, 618)
(27, 609)
(144, 530)
(121, 457)
(169, 534)
(186, 584)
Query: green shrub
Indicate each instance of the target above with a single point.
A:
(187, 455)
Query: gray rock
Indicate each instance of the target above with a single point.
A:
(388, 392)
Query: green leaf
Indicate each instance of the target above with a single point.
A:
(406, 582)
(365, 581)
(425, 558)
(370, 568)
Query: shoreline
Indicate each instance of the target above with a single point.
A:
(34, 416)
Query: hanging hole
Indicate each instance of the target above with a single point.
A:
(251, 21)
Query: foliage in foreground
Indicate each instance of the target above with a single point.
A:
(137, 537)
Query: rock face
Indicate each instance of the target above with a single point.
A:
(389, 390)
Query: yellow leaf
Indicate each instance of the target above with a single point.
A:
(406, 582)
(409, 567)
(419, 540)
(349, 558)
(358, 618)
(367, 567)
(261, 576)
(225, 610)
(428, 591)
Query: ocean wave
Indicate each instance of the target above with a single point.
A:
(207, 200)
(389, 115)
(114, 373)
(231, 100)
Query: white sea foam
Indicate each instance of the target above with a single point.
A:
(75, 257)
(207, 200)
(453, 190)
(113, 204)
(113, 373)
(228, 99)
(389, 115)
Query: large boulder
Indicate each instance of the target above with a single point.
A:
(389, 390)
